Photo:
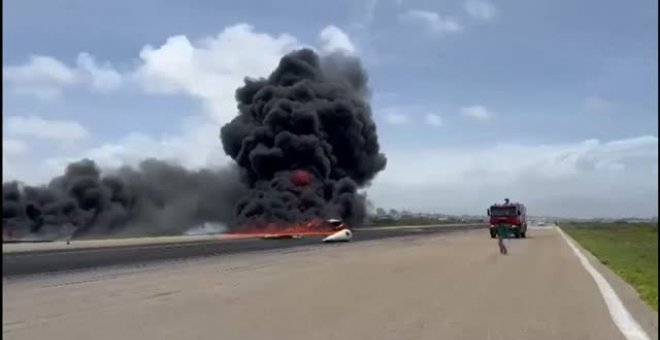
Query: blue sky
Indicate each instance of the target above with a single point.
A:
(550, 103)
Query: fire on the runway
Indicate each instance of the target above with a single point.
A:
(314, 227)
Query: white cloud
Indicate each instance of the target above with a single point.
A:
(46, 77)
(102, 78)
(14, 147)
(214, 67)
(477, 112)
(55, 130)
(433, 119)
(481, 10)
(431, 21)
(196, 147)
(598, 105)
(395, 116)
(209, 70)
(13, 152)
(40, 76)
(335, 40)
(405, 114)
(202, 138)
(590, 178)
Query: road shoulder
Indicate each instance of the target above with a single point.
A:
(645, 316)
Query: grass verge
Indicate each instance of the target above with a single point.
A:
(630, 250)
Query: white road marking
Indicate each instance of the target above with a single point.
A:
(620, 315)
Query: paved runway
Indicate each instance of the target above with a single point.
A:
(438, 286)
(23, 259)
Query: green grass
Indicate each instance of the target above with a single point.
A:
(630, 250)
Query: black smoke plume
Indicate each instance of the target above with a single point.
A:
(306, 141)
(156, 198)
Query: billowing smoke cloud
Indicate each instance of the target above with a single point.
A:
(155, 198)
(306, 141)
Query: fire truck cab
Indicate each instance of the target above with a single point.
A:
(511, 216)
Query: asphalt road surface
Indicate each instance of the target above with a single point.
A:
(435, 286)
(26, 258)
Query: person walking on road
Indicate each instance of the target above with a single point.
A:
(502, 232)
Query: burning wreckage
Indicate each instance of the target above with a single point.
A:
(334, 230)
(303, 143)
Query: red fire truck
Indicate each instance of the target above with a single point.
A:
(511, 216)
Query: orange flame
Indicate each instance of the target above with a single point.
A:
(316, 227)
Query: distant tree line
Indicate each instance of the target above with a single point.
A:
(394, 217)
